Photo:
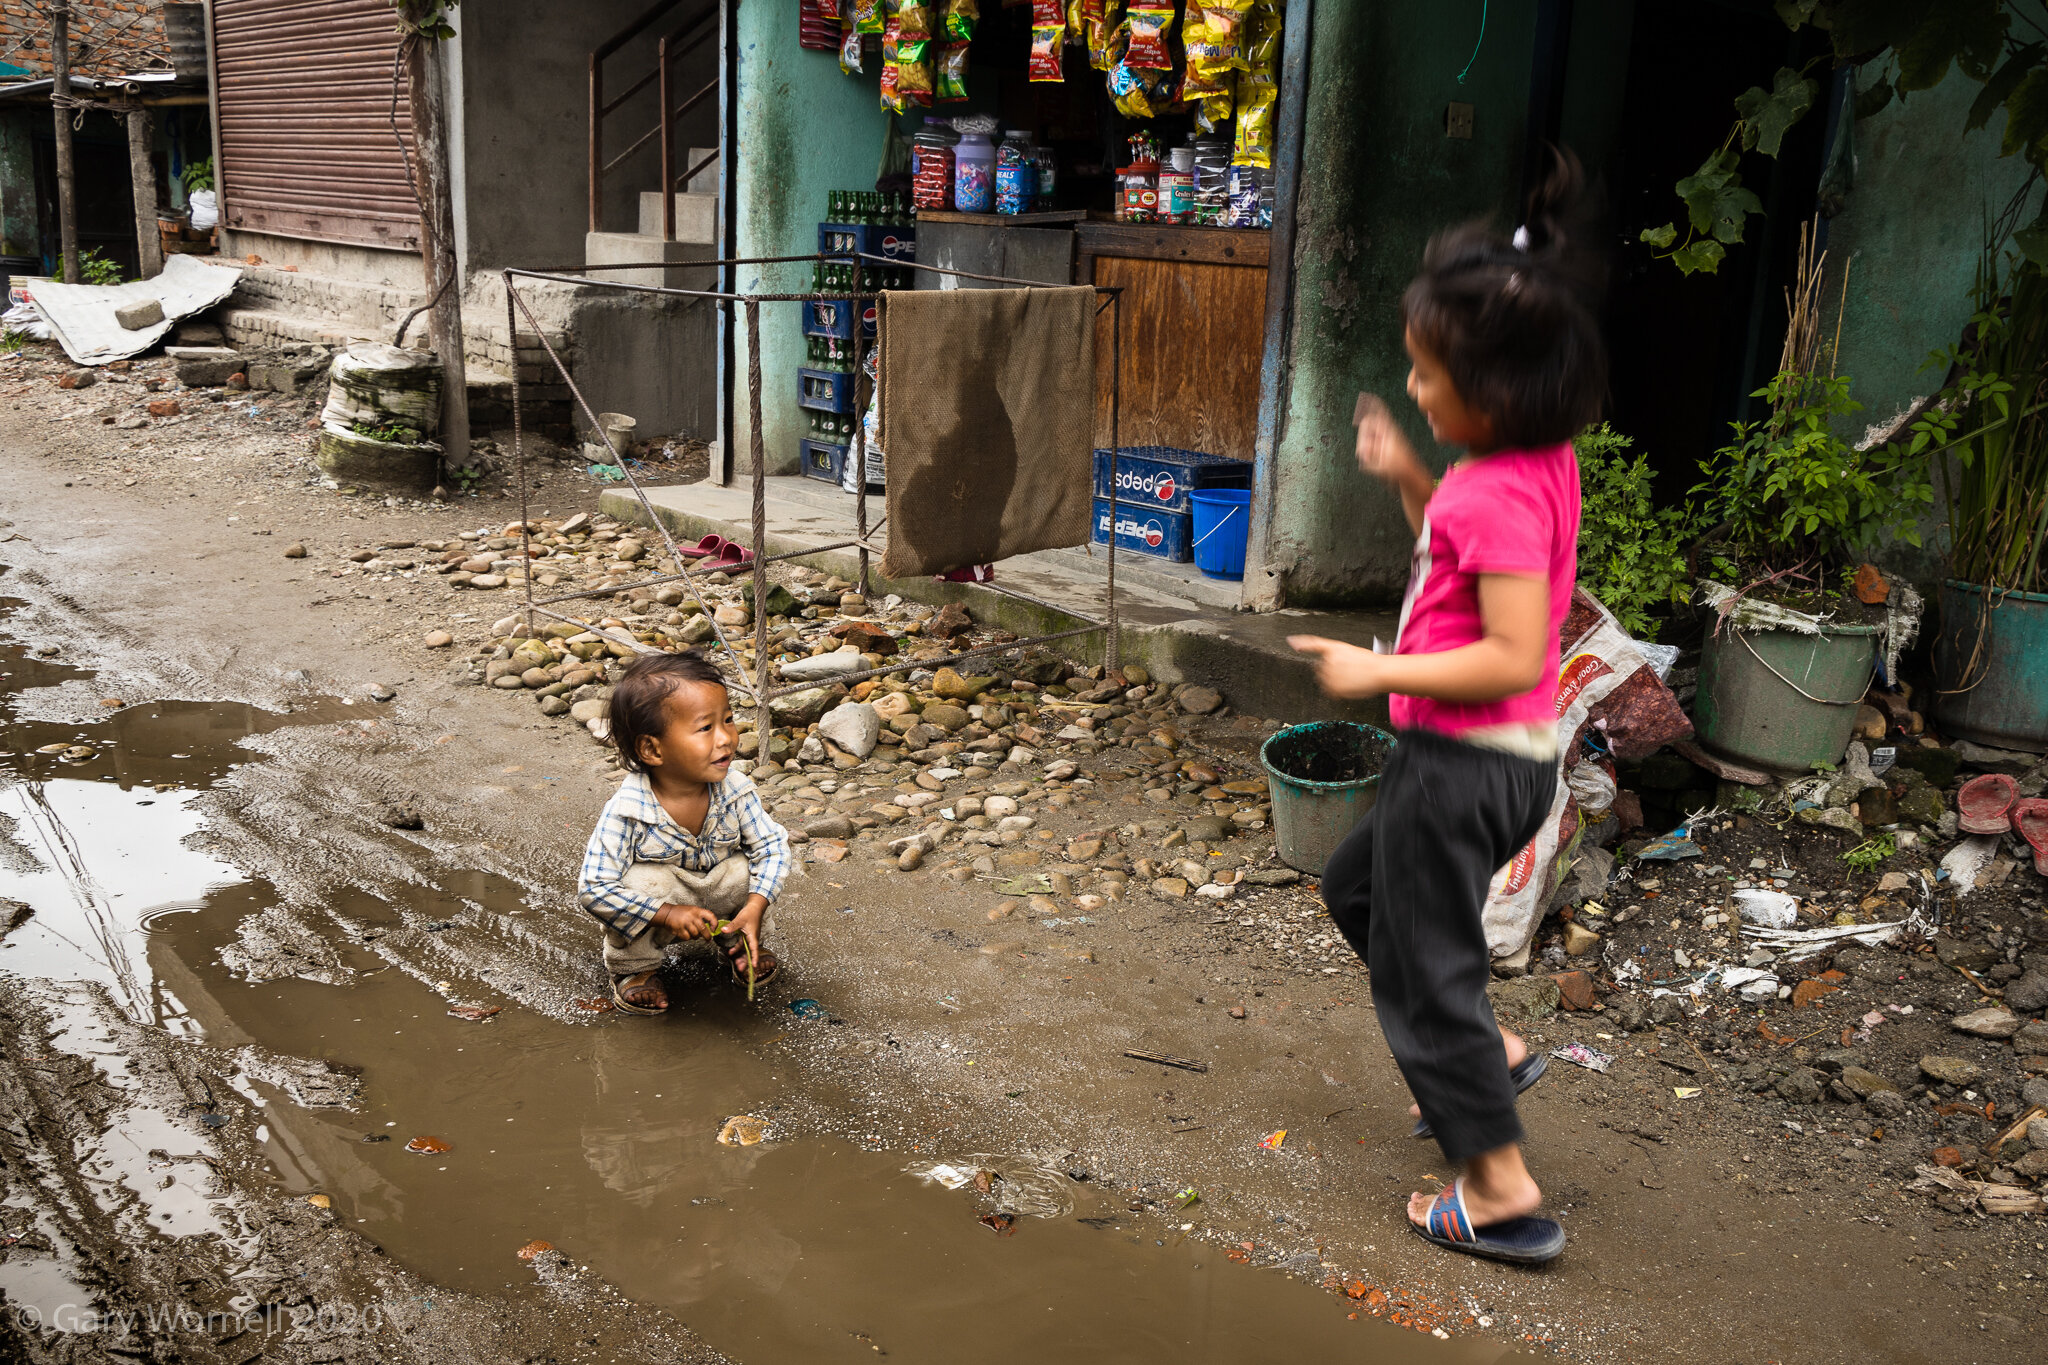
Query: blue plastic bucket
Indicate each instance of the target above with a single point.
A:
(1223, 522)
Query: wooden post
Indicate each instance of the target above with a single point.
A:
(149, 242)
(427, 88)
(67, 175)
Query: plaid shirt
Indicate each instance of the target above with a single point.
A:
(635, 829)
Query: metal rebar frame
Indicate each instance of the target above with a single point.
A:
(758, 687)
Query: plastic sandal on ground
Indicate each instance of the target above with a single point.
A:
(709, 547)
(2030, 821)
(1985, 803)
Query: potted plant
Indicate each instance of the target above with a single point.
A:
(1988, 432)
(1792, 649)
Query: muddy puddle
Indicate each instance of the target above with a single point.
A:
(599, 1138)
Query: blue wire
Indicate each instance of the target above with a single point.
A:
(1476, 46)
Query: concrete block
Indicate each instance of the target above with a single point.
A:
(623, 248)
(696, 216)
(204, 367)
(140, 314)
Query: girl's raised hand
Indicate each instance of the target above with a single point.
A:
(1342, 670)
(1383, 451)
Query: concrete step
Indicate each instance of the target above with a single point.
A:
(696, 216)
(665, 258)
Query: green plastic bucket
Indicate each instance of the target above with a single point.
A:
(1323, 777)
(1990, 667)
(1782, 700)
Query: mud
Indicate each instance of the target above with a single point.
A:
(1331, 752)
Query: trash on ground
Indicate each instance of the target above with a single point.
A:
(743, 1130)
(807, 1008)
(1685, 1092)
(1184, 1063)
(1981, 1195)
(476, 1014)
(427, 1146)
(1002, 1224)
(1797, 944)
(1273, 1140)
(1965, 863)
(1772, 909)
(534, 1248)
(1667, 848)
(1580, 1055)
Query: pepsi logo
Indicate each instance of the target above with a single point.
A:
(867, 317)
(1164, 492)
(1154, 536)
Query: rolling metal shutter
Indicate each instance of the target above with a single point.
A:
(305, 122)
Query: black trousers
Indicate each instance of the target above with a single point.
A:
(1406, 887)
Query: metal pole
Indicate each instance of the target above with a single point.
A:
(67, 174)
(519, 445)
(149, 241)
(1112, 652)
(668, 148)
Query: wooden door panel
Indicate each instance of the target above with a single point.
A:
(1193, 336)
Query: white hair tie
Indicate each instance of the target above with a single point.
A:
(1521, 239)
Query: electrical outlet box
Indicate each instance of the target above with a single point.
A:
(1458, 120)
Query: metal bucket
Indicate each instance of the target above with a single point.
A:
(1995, 661)
(1312, 816)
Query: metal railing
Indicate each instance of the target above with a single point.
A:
(685, 37)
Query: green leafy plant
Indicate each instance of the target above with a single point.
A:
(197, 175)
(95, 268)
(1871, 853)
(1988, 421)
(427, 18)
(1911, 45)
(466, 477)
(1631, 552)
(393, 433)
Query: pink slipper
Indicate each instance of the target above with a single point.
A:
(711, 545)
(730, 557)
(1985, 804)
(2030, 820)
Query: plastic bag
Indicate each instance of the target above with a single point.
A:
(205, 210)
(1150, 25)
(828, 9)
(952, 73)
(1210, 50)
(1204, 78)
(1255, 105)
(1048, 44)
(961, 17)
(1224, 20)
(852, 47)
(1046, 13)
(1136, 92)
(868, 16)
(1215, 111)
(913, 21)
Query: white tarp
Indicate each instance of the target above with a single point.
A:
(82, 315)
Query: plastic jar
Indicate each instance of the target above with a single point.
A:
(931, 165)
(1138, 192)
(1176, 195)
(974, 174)
(1016, 172)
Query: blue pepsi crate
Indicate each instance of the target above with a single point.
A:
(823, 460)
(1148, 531)
(825, 390)
(1161, 477)
(834, 318)
(891, 243)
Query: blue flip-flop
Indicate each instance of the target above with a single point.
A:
(1524, 1074)
(1518, 1241)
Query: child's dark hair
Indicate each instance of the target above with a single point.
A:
(1516, 327)
(641, 694)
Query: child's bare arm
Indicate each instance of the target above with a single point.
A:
(1384, 453)
(1504, 662)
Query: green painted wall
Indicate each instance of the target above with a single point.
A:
(1378, 176)
(18, 184)
(805, 129)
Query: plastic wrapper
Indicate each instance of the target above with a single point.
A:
(1262, 40)
(1204, 78)
(914, 76)
(1048, 44)
(1150, 26)
(852, 46)
(1224, 20)
(828, 9)
(961, 17)
(868, 16)
(913, 20)
(1046, 13)
(952, 73)
(1212, 51)
(1213, 114)
(1255, 108)
(1138, 93)
(1106, 37)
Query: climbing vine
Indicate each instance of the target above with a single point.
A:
(1913, 45)
(425, 18)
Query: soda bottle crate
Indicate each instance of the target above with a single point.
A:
(825, 390)
(1161, 477)
(867, 239)
(1147, 530)
(834, 318)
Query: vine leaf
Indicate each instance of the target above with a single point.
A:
(1968, 33)
(1660, 237)
(2033, 244)
(2026, 112)
(1702, 255)
(1875, 98)
(1767, 116)
(1715, 200)
(2002, 84)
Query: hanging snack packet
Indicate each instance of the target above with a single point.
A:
(1047, 44)
(1212, 49)
(1262, 41)
(1215, 112)
(1046, 13)
(868, 17)
(1150, 25)
(1254, 124)
(1204, 77)
(952, 75)
(914, 21)
(892, 68)
(1225, 21)
(828, 9)
(1137, 93)
(913, 73)
(851, 44)
(961, 17)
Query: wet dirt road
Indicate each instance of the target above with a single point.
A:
(599, 1137)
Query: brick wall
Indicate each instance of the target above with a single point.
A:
(108, 37)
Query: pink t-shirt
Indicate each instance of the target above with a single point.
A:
(1514, 512)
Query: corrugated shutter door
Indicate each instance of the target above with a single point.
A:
(305, 122)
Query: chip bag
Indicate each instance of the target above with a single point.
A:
(1215, 111)
(1262, 40)
(828, 9)
(914, 20)
(1138, 93)
(1224, 20)
(1048, 42)
(1046, 13)
(913, 74)
(1150, 25)
(1255, 106)
(868, 17)
(961, 17)
(851, 45)
(952, 73)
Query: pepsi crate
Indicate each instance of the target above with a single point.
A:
(834, 318)
(867, 239)
(822, 460)
(1161, 477)
(825, 390)
(1164, 535)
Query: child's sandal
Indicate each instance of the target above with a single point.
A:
(619, 989)
(765, 964)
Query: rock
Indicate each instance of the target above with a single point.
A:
(1527, 997)
(1199, 701)
(812, 750)
(2029, 994)
(946, 716)
(696, 631)
(852, 604)
(1210, 828)
(2011, 762)
(731, 614)
(590, 709)
(628, 550)
(1937, 765)
(1575, 991)
(1865, 1083)
(142, 313)
(1800, 1085)
(438, 639)
(1990, 1022)
(1833, 817)
(380, 692)
(487, 580)
(802, 708)
(1869, 724)
(854, 727)
(1951, 1070)
(833, 826)
(867, 637)
(554, 706)
(1271, 876)
(819, 666)
(1579, 940)
(1887, 1104)
(165, 407)
(998, 807)
(77, 379)
(1170, 888)
(1875, 806)
(1919, 801)
(2032, 1038)
(780, 601)
(952, 686)
(910, 859)
(950, 622)
(889, 705)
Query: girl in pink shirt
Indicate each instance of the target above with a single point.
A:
(1507, 362)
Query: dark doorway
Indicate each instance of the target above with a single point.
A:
(106, 195)
(1689, 349)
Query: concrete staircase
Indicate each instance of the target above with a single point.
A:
(696, 235)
